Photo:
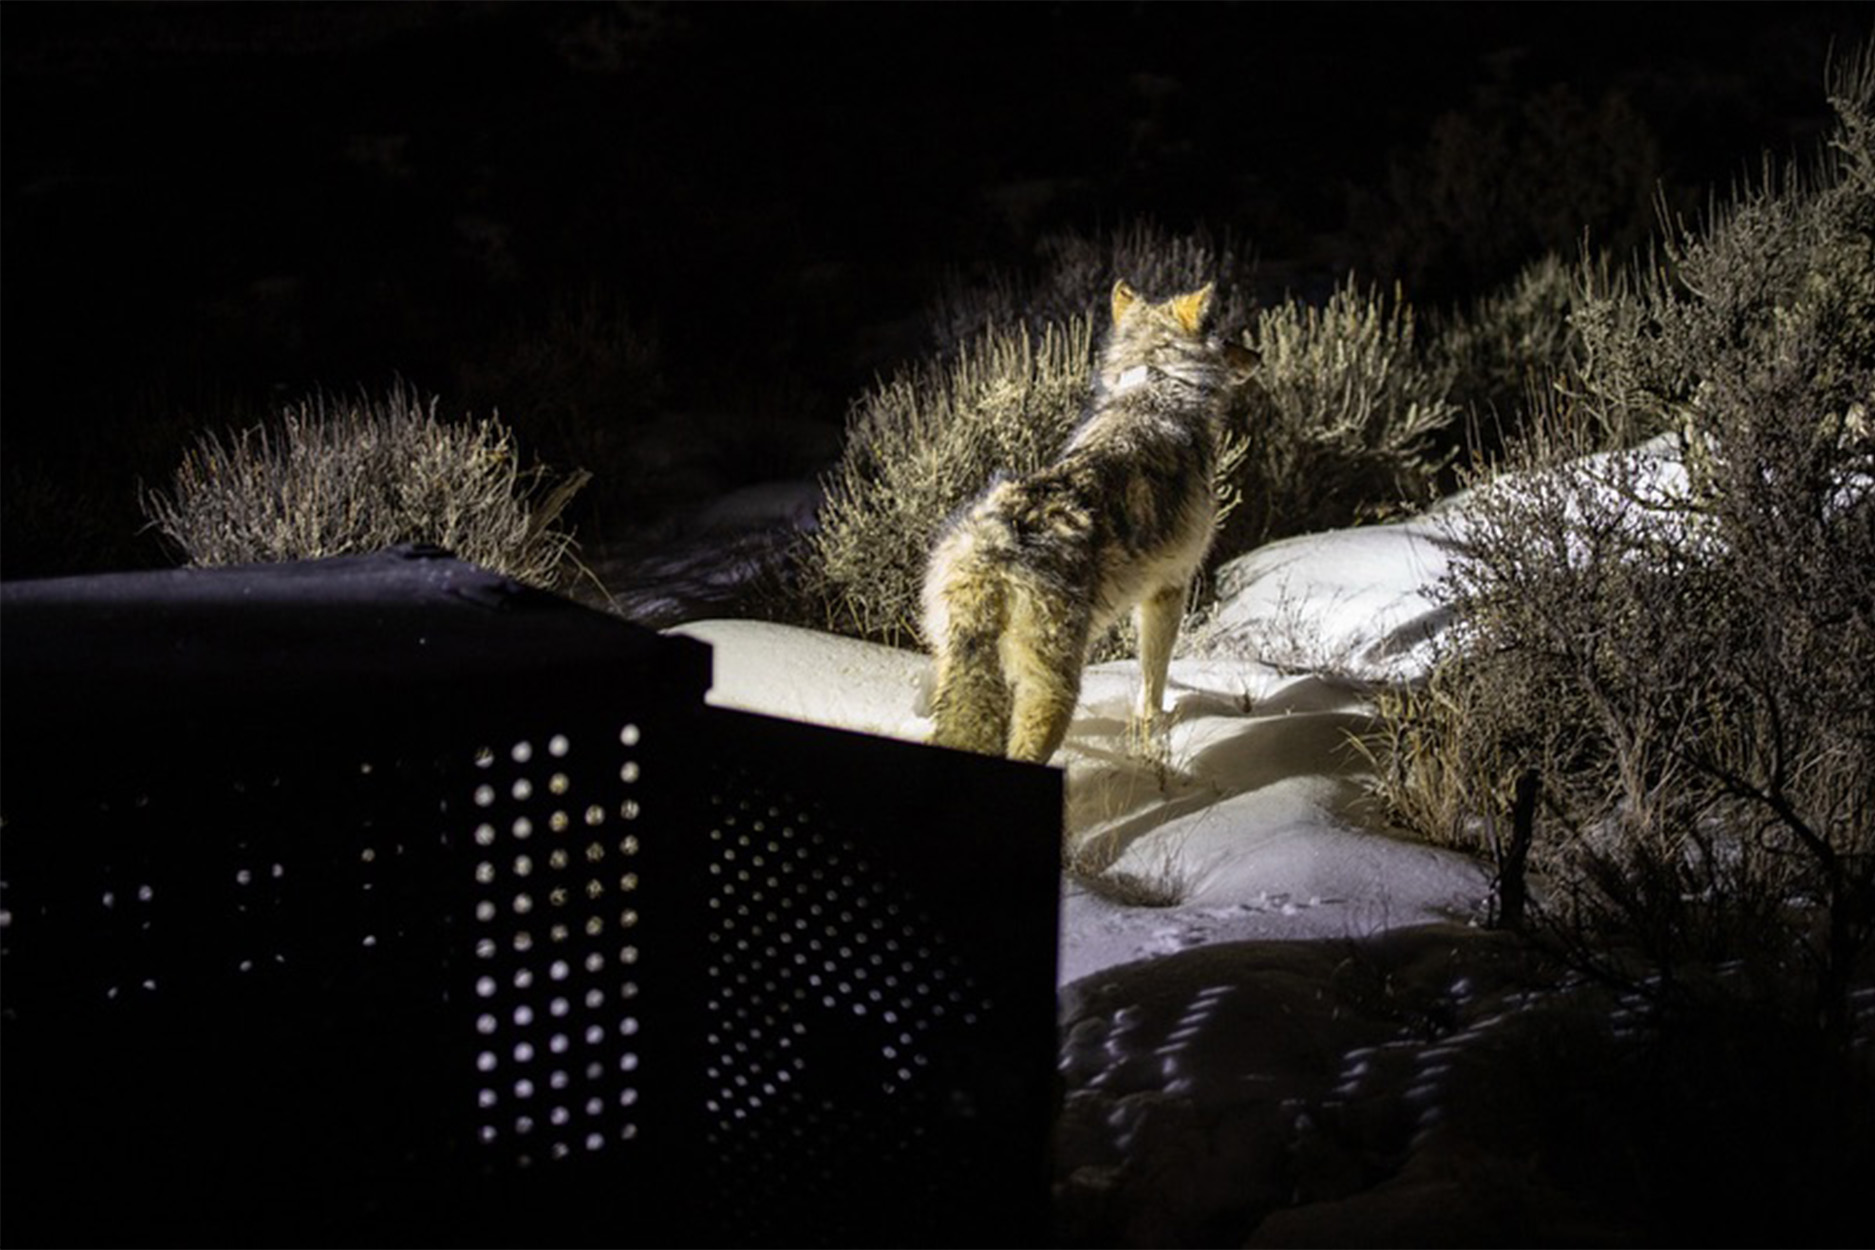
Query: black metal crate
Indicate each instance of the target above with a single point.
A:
(379, 899)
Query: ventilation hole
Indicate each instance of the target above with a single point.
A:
(523, 789)
(523, 827)
(558, 746)
(559, 783)
(484, 796)
(629, 772)
(628, 736)
(484, 757)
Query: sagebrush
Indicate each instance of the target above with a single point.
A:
(1518, 172)
(1074, 272)
(1342, 419)
(332, 477)
(921, 445)
(584, 378)
(1338, 423)
(1675, 639)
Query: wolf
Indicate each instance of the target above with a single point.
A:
(1024, 580)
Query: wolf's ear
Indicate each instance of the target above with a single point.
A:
(1190, 309)
(1124, 297)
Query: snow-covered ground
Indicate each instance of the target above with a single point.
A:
(1247, 821)
(1281, 1022)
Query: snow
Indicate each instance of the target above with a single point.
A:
(1246, 822)
(1281, 1022)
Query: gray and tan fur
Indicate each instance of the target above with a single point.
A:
(1031, 574)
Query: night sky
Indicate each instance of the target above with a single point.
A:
(211, 209)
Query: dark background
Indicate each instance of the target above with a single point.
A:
(211, 209)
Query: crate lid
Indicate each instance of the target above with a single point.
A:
(407, 624)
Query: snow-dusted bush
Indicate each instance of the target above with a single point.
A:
(1681, 662)
(332, 477)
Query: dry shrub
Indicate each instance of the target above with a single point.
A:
(585, 376)
(1077, 272)
(1337, 426)
(1501, 352)
(1518, 173)
(1340, 424)
(1682, 659)
(334, 478)
(920, 446)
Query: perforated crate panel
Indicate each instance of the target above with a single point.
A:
(447, 972)
(567, 891)
(880, 1009)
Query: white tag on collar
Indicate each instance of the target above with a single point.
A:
(1132, 379)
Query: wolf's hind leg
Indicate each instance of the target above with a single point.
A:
(1156, 618)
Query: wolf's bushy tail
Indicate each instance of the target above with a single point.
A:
(971, 700)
